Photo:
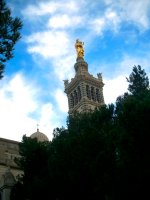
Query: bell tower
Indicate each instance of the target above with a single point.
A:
(84, 91)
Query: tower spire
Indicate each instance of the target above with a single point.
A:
(84, 92)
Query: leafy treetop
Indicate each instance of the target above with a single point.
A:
(9, 34)
(138, 81)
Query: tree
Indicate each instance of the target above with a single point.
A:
(77, 164)
(132, 117)
(133, 146)
(34, 163)
(138, 81)
(84, 156)
(9, 34)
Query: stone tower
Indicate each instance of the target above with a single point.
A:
(84, 91)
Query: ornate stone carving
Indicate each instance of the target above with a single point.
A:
(66, 82)
(99, 75)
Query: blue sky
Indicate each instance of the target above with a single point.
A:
(116, 34)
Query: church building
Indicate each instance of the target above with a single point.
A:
(9, 170)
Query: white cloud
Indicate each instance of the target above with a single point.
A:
(75, 15)
(118, 85)
(114, 88)
(63, 21)
(98, 25)
(55, 46)
(133, 11)
(21, 109)
(63, 67)
(109, 20)
(72, 6)
(41, 9)
(49, 44)
(49, 8)
(49, 119)
(17, 102)
(126, 65)
(137, 11)
(116, 13)
(62, 101)
(112, 19)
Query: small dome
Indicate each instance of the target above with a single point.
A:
(41, 137)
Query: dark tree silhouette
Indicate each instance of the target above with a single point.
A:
(9, 34)
(138, 81)
(133, 114)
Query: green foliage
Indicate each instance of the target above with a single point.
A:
(34, 163)
(9, 34)
(132, 116)
(138, 81)
(133, 145)
(84, 157)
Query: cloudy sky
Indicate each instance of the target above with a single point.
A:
(116, 34)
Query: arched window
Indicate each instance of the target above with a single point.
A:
(93, 94)
(71, 100)
(79, 93)
(75, 97)
(97, 95)
(88, 92)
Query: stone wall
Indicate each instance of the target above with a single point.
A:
(9, 171)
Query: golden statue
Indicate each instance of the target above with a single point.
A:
(79, 48)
